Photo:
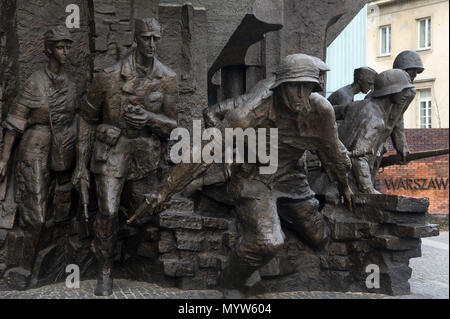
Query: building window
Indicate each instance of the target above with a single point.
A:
(385, 40)
(424, 34)
(425, 108)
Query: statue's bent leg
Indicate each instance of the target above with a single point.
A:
(109, 190)
(261, 234)
(304, 218)
(363, 175)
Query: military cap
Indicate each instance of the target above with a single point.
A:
(147, 27)
(59, 33)
(391, 82)
(298, 68)
(409, 60)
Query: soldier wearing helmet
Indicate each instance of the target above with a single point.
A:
(410, 62)
(305, 121)
(323, 69)
(43, 120)
(370, 122)
(125, 123)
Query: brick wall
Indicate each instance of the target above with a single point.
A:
(423, 178)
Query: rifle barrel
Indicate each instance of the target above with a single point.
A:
(397, 159)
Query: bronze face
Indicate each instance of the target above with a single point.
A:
(296, 94)
(400, 98)
(412, 73)
(366, 82)
(59, 50)
(147, 45)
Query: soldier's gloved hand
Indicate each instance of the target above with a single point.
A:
(81, 173)
(136, 117)
(347, 193)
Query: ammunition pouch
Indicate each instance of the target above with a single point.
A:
(106, 137)
(108, 134)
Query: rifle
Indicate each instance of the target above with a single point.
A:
(397, 159)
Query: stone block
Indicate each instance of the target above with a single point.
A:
(166, 242)
(124, 38)
(179, 219)
(101, 44)
(394, 243)
(207, 260)
(178, 268)
(189, 240)
(400, 204)
(104, 7)
(184, 204)
(416, 231)
(213, 241)
(350, 229)
(217, 223)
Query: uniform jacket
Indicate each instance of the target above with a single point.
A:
(45, 113)
(136, 152)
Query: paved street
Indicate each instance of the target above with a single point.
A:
(430, 279)
(430, 272)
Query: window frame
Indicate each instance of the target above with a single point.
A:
(388, 45)
(427, 38)
(428, 108)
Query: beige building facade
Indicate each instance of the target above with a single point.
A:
(423, 26)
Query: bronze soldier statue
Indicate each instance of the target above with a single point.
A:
(370, 122)
(44, 120)
(410, 62)
(305, 121)
(364, 79)
(129, 112)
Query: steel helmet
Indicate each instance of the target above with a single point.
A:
(323, 67)
(409, 60)
(298, 68)
(391, 82)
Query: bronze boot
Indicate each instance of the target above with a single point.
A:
(105, 281)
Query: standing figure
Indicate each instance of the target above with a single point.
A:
(364, 79)
(44, 120)
(129, 113)
(305, 121)
(370, 122)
